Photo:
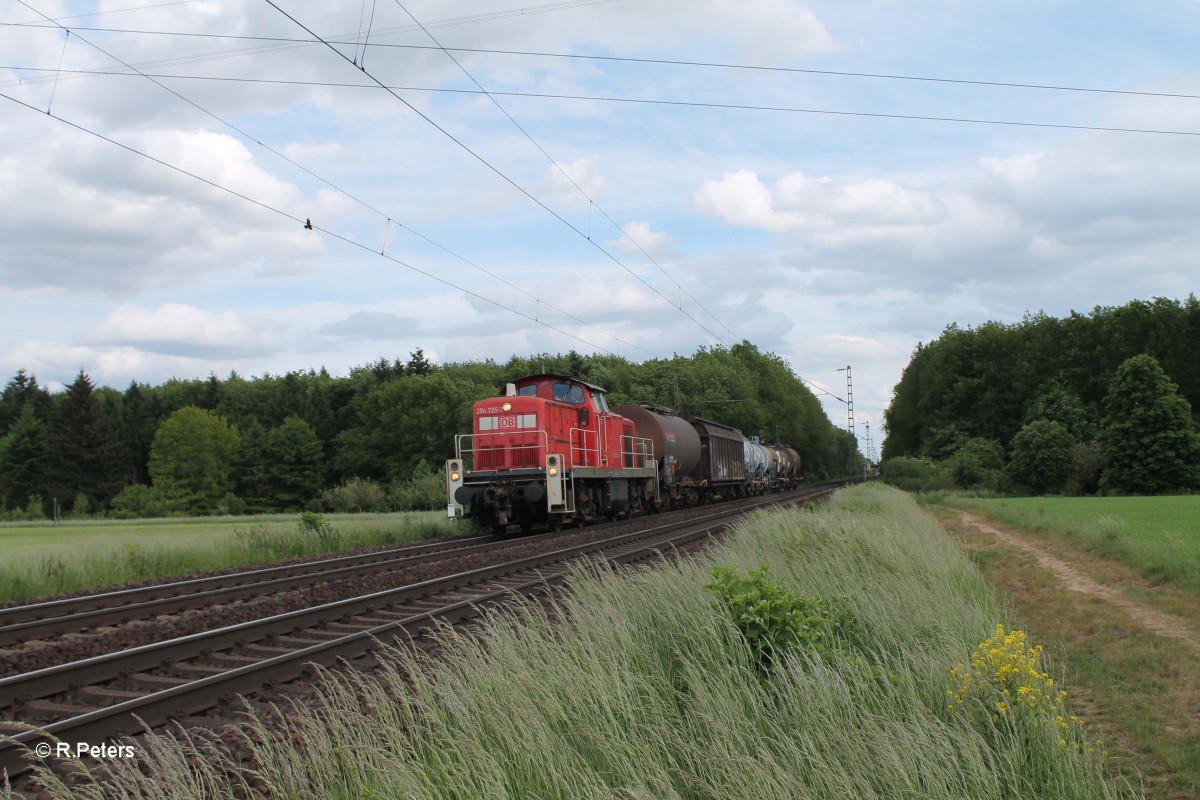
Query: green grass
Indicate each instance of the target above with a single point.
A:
(1158, 535)
(42, 558)
(643, 687)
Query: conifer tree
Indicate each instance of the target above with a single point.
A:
(23, 463)
(418, 364)
(21, 391)
(85, 447)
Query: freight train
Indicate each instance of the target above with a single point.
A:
(551, 452)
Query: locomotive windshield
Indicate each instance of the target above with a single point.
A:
(568, 393)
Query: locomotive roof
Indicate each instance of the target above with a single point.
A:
(581, 382)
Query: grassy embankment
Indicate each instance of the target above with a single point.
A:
(1141, 689)
(645, 688)
(43, 558)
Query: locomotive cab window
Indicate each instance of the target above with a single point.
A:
(568, 393)
(528, 391)
(601, 403)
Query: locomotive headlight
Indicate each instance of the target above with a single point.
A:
(553, 471)
(454, 476)
(506, 407)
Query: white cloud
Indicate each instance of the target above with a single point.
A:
(176, 329)
(825, 239)
(639, 237)
(567, 183)
(112, 222)
(821, 206)
(371, 325)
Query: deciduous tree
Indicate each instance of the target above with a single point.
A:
(1148, 441)
(1042, 457)
(192, 458)
(295, 463)
(978, 464)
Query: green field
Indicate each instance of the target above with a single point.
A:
(1158, 535)
(645, 685)
(43, 558)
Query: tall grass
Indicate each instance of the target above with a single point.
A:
(46, 561)
(641, 686)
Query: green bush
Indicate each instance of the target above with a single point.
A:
(917, 475)
(978, 464)
(772, 619)
(355, 495)
(314, 526)
(426, 490)
(139, 500)
(81, 507)
(231, 506)
(36, 508)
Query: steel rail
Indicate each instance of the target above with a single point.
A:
(192, 697)
(23, 623)
(21, 688)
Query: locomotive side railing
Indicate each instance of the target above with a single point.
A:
(585, 447)
(497, 451)
(639, 452)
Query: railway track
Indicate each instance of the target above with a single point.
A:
(104, 697)
(23, 623)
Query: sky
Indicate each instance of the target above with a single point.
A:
(835, 182)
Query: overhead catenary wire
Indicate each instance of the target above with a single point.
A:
(500, 173)
(306, 222)
(120, 10)
(348, 38)
(591, 201)
(632, 101)
(344, 39)
(822, 389)
(363, 203)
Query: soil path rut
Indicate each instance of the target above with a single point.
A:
(1071, 578)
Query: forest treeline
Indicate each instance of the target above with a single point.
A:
(1092, 402)
(375, 439)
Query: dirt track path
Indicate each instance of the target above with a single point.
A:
(1071, 578)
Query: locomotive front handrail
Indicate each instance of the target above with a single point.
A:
(468, 455)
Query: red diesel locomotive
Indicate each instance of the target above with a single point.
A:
(551, 451)
(547, 452)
